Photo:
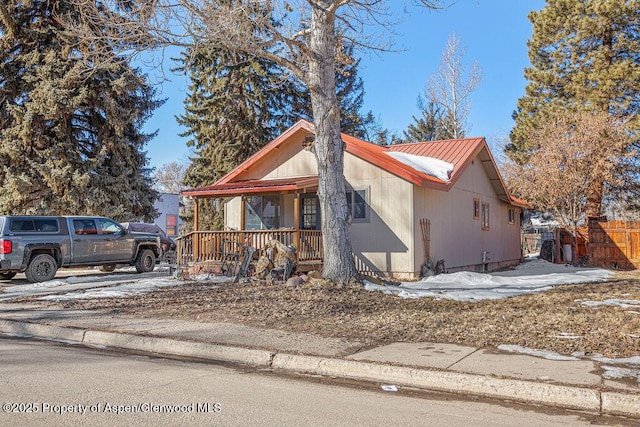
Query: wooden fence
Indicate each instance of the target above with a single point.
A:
(614, 244)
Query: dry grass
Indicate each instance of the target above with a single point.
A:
(536, 321)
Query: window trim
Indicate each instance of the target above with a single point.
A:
(367, 207)
(476, 208)
(485, 215)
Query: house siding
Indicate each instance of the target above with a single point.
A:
(456, 236)
(384, 243)
(289, 160)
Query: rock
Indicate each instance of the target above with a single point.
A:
(295, 281)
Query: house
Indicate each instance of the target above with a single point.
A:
(168, 207)
(400, 214)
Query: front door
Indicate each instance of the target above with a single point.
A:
(309, 212)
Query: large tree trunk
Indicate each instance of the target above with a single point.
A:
(338, 258)
(594, 199)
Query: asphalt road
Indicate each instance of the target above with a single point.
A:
(44, 384)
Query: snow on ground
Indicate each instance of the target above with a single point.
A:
(551, 355)
(623, 303)
(611, 367)
(433, 167)
(531, 277)
(121, 290)
(616, 372)
(132, 287)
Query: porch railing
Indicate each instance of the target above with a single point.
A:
(213, 245)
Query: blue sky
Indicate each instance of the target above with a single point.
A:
(494, 32)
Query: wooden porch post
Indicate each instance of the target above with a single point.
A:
(243, 218)
(196, 227)
(296, 222)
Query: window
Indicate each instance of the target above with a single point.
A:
(512, 216)
(485, 216)
(40, 224)
(310, 213)
(84, 226)
(476, 208)
(109, 227)
(357, 205)
(263, 212)
(172, 225)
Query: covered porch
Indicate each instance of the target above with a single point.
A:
(257, 211)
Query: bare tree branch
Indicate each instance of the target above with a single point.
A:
(452, 85)
(303, 36)
(573, 149)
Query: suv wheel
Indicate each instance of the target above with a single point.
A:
(146, 261)
(7, 276)
(41, 268)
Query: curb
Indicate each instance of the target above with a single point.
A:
(447, 381)
(564, 396)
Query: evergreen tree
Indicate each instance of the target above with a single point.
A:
(69, 143)
(585, 55)
(428, 127)
(232, 110)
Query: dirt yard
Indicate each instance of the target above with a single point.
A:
(555, 320)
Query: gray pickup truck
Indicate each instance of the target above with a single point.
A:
(39, 245)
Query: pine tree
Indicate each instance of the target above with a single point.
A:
(232, 110)
(585, 55)
(69, 143)
(428, 127)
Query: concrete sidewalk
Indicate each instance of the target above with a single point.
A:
(577, 384)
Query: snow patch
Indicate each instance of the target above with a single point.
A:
(623, 303)
(633, 360)
(566, 336)
(615, 372)
(429, 165)
(551, 355)
(530, 277)
(122, 290)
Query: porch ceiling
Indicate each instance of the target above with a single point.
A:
(256, 186)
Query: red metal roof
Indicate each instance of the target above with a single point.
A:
(454, 151)
(459, 152)
(255, 186)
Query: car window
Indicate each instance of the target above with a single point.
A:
(21, 225)
(84, 226)
(38, 224)
(109, 227)
(46, 225)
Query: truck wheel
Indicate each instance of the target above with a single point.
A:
(7, 276)
(108, 268)
(41, 268)
(146, 261)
